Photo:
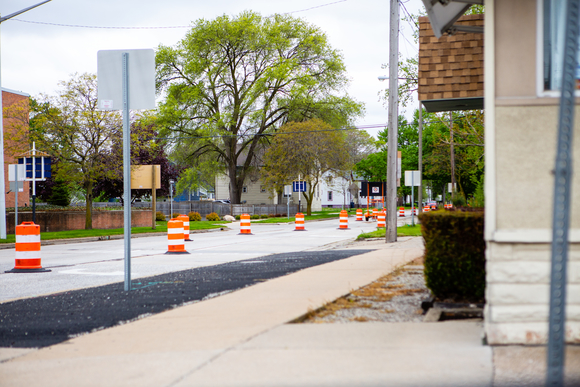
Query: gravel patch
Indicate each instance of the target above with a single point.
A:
(395, 297)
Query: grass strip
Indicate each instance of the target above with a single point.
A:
(406, 230)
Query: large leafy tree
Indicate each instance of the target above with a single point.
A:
(233, 80)
(70, 128)
(310, 149)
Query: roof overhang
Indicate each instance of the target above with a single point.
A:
(444, 13)
(452, 104)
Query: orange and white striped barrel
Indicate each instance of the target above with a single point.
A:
(245, 225)
(185, 220)
(343, 220)
(175, 241)
(375, 212)
(381, 219)
(401, 211)
(359, 215)
(416, 210)
(299, 222)
(426, 209)
(27, 249)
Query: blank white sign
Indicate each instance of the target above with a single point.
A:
(141, 69)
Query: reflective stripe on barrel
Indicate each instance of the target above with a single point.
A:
(299, 222)
(343, 220)
(245, 224)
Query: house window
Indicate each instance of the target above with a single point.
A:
(262, 189)
(245, 190)
(554, 14)
(329, 196)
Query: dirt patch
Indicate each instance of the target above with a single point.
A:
(395, 297)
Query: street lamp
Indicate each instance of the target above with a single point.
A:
(2, 183)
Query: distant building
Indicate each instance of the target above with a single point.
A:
(15, 119)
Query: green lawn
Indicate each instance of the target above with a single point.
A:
(161, 227)
(407, 230)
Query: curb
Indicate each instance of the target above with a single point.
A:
(50, 242)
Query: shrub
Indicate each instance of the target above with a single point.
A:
(175, 215)
(264, 216)
(159, 216)
(254, 216)
(194, 216)
(238, 217)
(454, 254)
(213, 217)
(60, 194)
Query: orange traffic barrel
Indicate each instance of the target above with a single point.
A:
(381, 219)
(343, 220)
(299, 222)
(401, 211)
(416, 210)
(359, 215)
(185, 220)
(375, 212)
(426, 209)
(245, 225)
(27, 249)
(175, 241)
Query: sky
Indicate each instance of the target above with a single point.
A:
(35, 57)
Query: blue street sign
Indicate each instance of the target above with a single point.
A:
(41, 167)
(299, 186)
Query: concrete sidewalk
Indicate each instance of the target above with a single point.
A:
(242, 339)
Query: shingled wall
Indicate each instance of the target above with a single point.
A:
(452, 66)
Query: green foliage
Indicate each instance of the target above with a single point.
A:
(454, 254)
(213, 217)
(458, 201)
(60, 194)
(478, 198)
(194, 216)
(238, 217)
(159, 216)
(264, 216)
(254, 216)
(175, 215)
(233, 80)
(311, 149)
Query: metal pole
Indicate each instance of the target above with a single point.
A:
(127, 171)
(16, 198)
(420, 194)
(562, 195)
(391, 229)
(413, 198)
(154, 197)
(2, 174)
(34, 181)
(452, 151)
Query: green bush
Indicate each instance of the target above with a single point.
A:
(454, 254)
(254, 216)
(264, 216)
(213, 217)
(175, 215)
(60, 194)
(194, 216)
(159, 216)
(238, 217)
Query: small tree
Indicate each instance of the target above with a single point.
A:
(60, 193)
(311, 149)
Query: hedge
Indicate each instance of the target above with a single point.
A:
(454, 254)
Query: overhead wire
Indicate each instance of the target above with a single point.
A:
(156, 27)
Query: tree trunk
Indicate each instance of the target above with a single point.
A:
(89, 206)
(235, 188)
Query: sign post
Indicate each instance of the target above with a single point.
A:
(16, 177)
(126, 80)
(412, 178)
(299, 186)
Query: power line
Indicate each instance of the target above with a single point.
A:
(158, 27)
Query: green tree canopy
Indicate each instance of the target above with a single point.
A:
(233, 80)
(309, 149)
(70, 128)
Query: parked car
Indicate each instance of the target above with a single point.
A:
(225, 201)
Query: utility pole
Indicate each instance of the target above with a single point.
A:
(420, 198)
(2, 183)
(452, 158)
(391, 205)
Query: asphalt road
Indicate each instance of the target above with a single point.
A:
(48, 320)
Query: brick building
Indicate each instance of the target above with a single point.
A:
(15, 107)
